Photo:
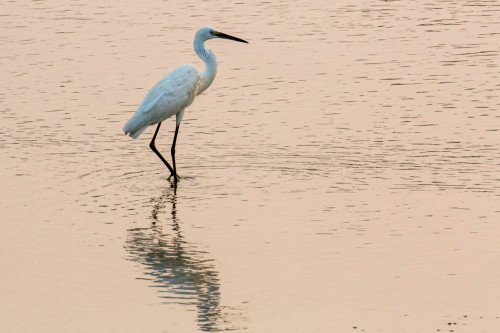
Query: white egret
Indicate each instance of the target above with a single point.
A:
(175, 92)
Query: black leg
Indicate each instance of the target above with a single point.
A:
(153, 148)
(172, 151)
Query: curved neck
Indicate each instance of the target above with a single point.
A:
(208, 76)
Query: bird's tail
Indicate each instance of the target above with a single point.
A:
(134, 127)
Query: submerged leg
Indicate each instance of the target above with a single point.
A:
(153, 148)
(172, 151)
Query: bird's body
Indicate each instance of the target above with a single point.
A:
(170, 96)
(175, 92)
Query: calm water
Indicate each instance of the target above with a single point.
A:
(340, 175)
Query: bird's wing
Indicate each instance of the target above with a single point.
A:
(174, 92)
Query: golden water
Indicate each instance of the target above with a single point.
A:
(340, 175)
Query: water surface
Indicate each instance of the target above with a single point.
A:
(341, 173)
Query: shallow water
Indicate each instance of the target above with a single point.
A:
(341, 174)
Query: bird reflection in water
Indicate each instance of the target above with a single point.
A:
(183, 273)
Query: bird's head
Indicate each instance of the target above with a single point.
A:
(208, 32)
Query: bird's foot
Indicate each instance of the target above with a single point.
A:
(171, 175)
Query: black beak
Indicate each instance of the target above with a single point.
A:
(221, 35)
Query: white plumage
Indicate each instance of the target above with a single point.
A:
(175, 92)
(171, 95)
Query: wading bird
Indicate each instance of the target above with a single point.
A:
(175, 92)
